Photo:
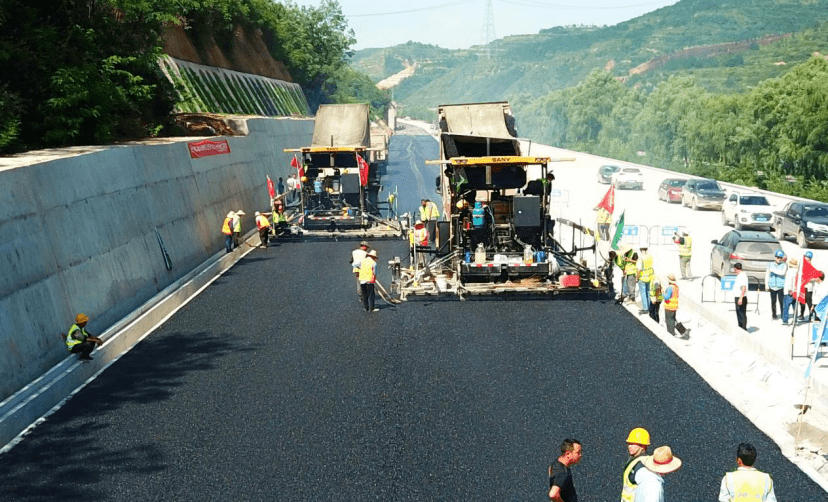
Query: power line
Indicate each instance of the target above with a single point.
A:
(433, 7)
(544, 5)
(488, 33)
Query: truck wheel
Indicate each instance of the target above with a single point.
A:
(780, 235)
(800, 239)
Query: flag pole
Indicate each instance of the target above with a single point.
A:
(796, 305)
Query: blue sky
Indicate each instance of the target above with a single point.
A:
(459, 24)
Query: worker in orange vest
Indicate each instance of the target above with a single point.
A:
(264, 228)
(419, 237)
(671, 303)
(227, 230)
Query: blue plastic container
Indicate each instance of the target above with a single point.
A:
(468, 256)
(540, 256)
(478, 215)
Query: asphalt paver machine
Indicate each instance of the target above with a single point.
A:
(340, 179)
(496, 234)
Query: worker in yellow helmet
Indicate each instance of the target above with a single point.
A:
(637, 443)
(79, 341)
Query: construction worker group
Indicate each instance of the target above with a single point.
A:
(639, 277)
(642, 478)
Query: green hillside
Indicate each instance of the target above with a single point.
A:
(533, 65)
(737, 91)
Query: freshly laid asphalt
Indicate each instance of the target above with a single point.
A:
(274, 384)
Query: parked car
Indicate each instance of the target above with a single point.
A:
(747, 210)
(670, 189)
(753, 249)
(702, 193)
(808, 221)
(605, 174)
(628, 177)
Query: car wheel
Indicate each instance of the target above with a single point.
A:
(736, 223)
(800, 239)
(695, 204)
(713, 267)
(724, 219)
(778, 233)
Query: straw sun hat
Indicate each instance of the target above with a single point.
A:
(662, 461)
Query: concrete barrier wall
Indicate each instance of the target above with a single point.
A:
(78, 234)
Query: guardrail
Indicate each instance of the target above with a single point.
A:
(680, 175)
(726, 287)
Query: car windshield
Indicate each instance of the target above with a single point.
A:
(764, 248)
(818, 211)
(609, 169)
(753, 200)
(676, 183)
(709, 185)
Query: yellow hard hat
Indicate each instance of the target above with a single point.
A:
(639, 436)
(81, 318)
(304, 179)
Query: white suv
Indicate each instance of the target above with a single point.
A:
(628, 177)
(747, 210)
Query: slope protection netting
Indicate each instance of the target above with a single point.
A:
(207, 89)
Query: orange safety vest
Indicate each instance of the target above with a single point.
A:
(225, 228)
(419, 236)
(672, 303)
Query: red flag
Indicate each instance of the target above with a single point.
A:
(363, 170)
(807, 272)
(608, 202)
(270, 188)
(295, 163)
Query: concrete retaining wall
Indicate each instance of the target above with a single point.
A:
(78, 234)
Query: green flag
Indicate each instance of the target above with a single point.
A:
(619, 231)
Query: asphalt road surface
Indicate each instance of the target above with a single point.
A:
(408, 172)
(274, 384)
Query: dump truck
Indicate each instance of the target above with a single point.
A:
(496, 234)
(340, 180)
(380, 133)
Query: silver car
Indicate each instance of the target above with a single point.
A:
(754, 250)
(703, 193)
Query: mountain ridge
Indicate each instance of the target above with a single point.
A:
(529, 66)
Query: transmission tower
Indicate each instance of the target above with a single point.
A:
(488, 32)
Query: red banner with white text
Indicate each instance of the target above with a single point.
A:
(208, 147)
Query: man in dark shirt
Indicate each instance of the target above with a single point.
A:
(561, 487)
